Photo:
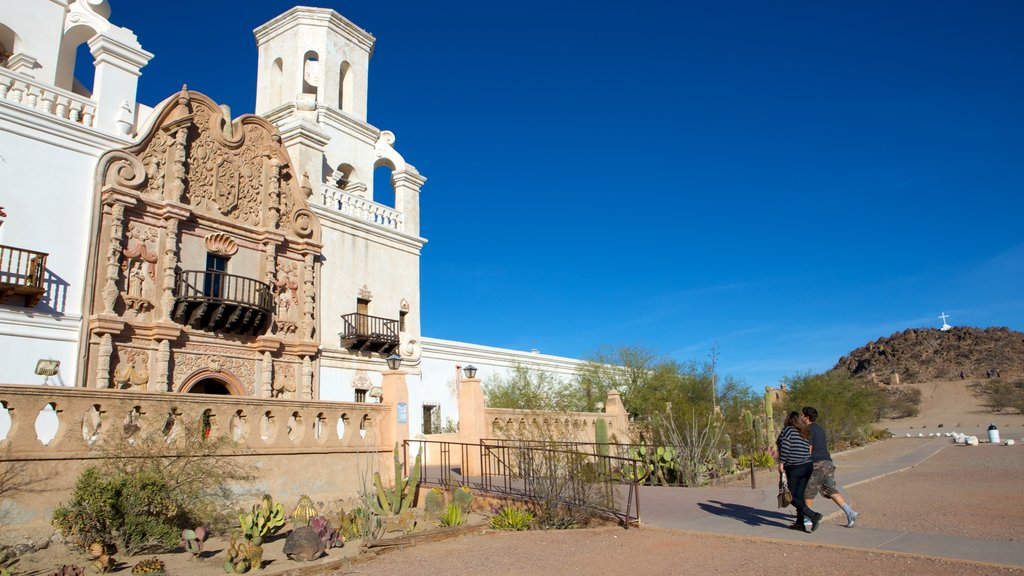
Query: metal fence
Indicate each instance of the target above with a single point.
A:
(557, 473)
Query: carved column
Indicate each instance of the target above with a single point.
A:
(266, 376)
(170, 265)
(115, 242)
(307, 378)
(274, 192)
(307, 298)
(103, 361)
(175, 187)
(162, 382)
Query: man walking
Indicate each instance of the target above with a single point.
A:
(823, 479)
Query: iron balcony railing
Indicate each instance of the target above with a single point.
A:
(21, 272)
(222, 302)
(369, 332)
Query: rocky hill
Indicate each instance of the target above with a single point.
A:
(925, 354)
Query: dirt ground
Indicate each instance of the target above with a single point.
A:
(971, 492)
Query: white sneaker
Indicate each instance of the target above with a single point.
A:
(851, 520)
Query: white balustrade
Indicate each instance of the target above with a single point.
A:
(49, 100)
(359, 207)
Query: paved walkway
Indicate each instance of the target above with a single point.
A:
(755, 513)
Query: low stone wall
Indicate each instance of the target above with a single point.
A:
(48, 435)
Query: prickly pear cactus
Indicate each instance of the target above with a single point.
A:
(463, 498)
(435, 501)
(266, 518)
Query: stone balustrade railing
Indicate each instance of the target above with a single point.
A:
(63, 104)
(359, 207)
(565, 426)
(49, 422)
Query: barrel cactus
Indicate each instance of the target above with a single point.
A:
(304, 511)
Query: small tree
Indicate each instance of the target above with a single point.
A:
(846, 406)
(527, 389)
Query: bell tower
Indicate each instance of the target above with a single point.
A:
(313, 55)
(311, 82)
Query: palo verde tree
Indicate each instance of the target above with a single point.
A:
(846, 406)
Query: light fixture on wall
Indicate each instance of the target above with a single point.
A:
(394, 361)
(470, 371)
(47, 368)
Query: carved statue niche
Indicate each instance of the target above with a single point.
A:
(286, 298)
(132, 369)
(139, 268)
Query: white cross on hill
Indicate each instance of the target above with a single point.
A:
(944, 325)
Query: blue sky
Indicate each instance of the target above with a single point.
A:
(789, 180)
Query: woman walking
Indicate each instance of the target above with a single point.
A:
(795, 462)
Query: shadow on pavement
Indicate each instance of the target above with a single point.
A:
(746, 514)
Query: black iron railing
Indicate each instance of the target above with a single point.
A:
(21, 272)
(548, 471)
(369, 332)
(218, 301)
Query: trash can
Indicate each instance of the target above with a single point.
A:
(993, 434)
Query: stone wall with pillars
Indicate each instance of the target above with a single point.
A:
(48, 435)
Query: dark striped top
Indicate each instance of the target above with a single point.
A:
(793, 449)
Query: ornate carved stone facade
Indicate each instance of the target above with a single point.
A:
(205, 235)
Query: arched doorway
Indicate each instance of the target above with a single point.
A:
(220, 383)
(209, 386)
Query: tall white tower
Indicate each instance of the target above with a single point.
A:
(312, 83)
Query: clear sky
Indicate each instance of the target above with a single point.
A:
(789, 180)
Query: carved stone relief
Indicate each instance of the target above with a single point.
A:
(221, 244)
(286, 297)
(139, 267)
(361, 380)
(132, 369)
(201, 357)
(365, 294)
(233, 178)
(284, 384)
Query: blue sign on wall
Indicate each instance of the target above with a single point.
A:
(403, 412)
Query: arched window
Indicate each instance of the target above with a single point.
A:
(310, 72)
(75, 68)
(9, 44)
(383, 190)
(345, 87)
(276, 83)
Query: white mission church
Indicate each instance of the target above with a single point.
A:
(171, 247)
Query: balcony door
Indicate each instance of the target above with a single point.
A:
(213, 280)
(362, 316)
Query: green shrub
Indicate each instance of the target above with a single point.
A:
(512, 518)
(148, 488)
(134, 512)
(452, 516)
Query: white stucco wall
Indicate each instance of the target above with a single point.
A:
(442, 363)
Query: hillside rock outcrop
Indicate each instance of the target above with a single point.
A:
(924, 354)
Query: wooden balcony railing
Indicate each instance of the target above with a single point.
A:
(221, 302)
(21, 272)
(370, 333)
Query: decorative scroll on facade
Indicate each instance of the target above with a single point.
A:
(206, 240)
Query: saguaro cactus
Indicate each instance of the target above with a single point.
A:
(769, 414)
